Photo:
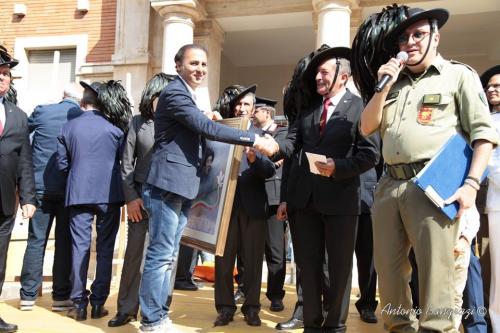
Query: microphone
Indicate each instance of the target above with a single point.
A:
(402, 57)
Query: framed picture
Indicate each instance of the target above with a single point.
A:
(210, 213)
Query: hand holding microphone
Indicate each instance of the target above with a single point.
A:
(390, 70)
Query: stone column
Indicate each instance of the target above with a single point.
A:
(334, 17)
(179, 17)
(210, 34)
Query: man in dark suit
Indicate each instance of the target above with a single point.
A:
(247, 228)
(89, 151)
(16, 168)
(275, 249)
(326, 205)
(45, 123)
(174, 177)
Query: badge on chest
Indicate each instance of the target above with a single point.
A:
(429, 103)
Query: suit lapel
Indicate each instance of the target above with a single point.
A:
(9, 118)
(340, 109)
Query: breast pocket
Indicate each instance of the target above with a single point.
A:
(389, 113)
(434, 109)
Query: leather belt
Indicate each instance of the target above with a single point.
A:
(404, 171)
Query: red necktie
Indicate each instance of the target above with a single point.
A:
(322, 120)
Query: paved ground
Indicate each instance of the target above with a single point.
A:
(191, 312)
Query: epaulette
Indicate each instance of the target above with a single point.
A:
(461, 63)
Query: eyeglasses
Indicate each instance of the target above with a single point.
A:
(495, 86)
(417, 37)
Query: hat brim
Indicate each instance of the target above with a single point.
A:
(486, 76)
(12, 63)
(439, 14)
(85, 85)
(236, 98)
(318, 59)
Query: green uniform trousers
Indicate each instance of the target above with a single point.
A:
(404, 217)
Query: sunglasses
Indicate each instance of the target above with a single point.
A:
(417, 37)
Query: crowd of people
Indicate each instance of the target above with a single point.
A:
(340, 174)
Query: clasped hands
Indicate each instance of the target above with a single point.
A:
(266, 145)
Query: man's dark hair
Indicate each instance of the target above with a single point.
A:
(179, 56)
(89, 98)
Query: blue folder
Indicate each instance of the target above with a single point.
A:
(445, 173)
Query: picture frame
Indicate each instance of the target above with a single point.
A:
(210, 214)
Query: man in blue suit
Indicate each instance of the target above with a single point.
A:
(174, 177)
(45, 124)
(89, 150)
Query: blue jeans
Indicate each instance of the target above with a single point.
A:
(39, 229)
(167, 218)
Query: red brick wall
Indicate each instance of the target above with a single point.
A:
(59, 17)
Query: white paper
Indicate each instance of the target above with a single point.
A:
(315, 158)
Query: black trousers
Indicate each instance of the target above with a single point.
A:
(6, 226)
(185, 264)
(312, 232)
(249, 234)
(367, 277)
(275, 253)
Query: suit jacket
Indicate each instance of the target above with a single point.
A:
(136, 156)
(178, 150)
(341, 141)
(273, 184)
(16, 165)
(250, 189)
(89, 151)
(368, 184)
(45, 124)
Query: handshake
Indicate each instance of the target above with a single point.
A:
(266, 145)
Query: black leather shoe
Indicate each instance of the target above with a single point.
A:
(252, 318)
(223, 319)
(368, 316)
(121, 319)
(239, 297)
(6, 327)
(185, 286)
(78, 313)
(98, 311)
(277, 305)
(292, 324)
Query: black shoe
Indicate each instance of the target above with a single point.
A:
(185, 286)
(223, 319)
(121, 319)
(292, 324)
(368, 316)
(277, 305)
(252, 318)
(98, 311)
(6, 327)
(239, 297)
(78, 313)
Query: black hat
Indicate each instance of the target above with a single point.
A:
(322, 56)
(486, 76)
(94, 86)
(261, 101)
(413, 16)
(236, 98)
(6, 59)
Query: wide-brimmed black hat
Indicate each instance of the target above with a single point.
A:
(486, 76)
(94, 86)
(236, 98)
(262, 101)
(6, 59)
(318, 59)
(413, 16)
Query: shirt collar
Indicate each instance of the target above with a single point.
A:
(1, 99)
(191, 91)
(437, 64)
(338, 96)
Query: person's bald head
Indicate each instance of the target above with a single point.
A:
(73, 91)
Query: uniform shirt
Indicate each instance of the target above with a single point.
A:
(421, 114)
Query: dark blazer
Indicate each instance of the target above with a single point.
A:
(250, 189)
(368, 184)
(89, 150)
(273, 184)
(45, 124)
(16, 165)
(353, 154)
(136, 157)
(178, 149)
